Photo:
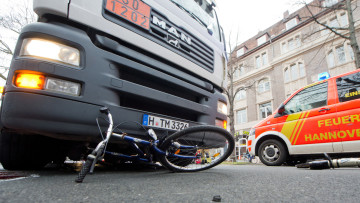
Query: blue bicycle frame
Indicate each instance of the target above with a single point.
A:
(153, 146)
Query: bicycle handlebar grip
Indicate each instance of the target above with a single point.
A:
(104, 110)
(85, 169)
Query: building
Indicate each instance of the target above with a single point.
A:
(287, 56)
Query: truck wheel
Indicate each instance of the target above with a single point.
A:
(22, 152)
(272, 153)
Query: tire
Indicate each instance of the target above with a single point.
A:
(216, 141)
(272, 153)
(23, 152)
(255, 160)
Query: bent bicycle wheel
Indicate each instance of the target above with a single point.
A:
(197, 148)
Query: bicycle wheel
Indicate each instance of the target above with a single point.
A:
(255, 160)
(197, 148)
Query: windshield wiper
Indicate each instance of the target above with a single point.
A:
(191, 13)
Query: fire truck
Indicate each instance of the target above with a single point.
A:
(323, 117)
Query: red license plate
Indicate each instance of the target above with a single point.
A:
(134, 11)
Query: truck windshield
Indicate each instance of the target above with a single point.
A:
(203, 12)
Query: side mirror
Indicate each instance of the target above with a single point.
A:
(280, 111)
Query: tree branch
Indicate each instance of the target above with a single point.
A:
(332, 29)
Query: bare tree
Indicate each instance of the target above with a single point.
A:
(229, 90)
(346, 32)
(11, 23)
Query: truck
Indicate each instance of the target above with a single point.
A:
(154, 64)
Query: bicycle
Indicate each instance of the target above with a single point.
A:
(178, 152)
(251, 158)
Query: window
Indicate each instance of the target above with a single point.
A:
(351, 52)
(334, 23)
(284, 47)
(331, 59)
(301, 69)
(258, 62)
(323, 29)
(340, 53)
(291, 23)
(343, 20)
(265, 110)
(349, 87)
(240, 52)
(241, 116)
(291, 44)
(297, 41)
(261, 40)
(261, 60)
(236, 73)
(287, 75)
(240, 95)
(264, 59)
(264, 85)
(328, 3)
(309, 98)
(294, 72)
(241, 69)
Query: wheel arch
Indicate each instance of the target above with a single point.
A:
(272, 135)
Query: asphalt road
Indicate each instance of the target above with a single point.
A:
(234, 183)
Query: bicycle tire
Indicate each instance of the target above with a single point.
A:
(85, 168)
(255, 160)
(215, 141)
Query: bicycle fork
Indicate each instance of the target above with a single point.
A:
(101, 147)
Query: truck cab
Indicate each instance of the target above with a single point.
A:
(154, 64)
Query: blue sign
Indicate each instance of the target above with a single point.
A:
(323, 76)
(145, 119)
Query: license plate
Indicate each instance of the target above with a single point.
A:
(158, 122)
(134, 11)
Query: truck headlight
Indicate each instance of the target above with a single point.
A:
(50, 50)
(222, 107)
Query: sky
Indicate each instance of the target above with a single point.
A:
(246, 18)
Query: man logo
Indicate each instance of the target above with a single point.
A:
(173, 41)
(172, 30)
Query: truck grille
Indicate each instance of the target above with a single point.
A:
(198, 52)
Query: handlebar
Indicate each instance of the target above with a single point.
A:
(104, 110)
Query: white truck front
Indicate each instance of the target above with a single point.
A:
(157, 63)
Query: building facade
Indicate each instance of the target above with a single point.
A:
(290, 54)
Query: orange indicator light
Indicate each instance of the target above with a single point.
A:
(224, 124)
(31, 81)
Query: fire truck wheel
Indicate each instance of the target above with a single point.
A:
(272, 153)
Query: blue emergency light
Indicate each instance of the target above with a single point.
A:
(323, 76)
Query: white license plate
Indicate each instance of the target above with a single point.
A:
(158, 122)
